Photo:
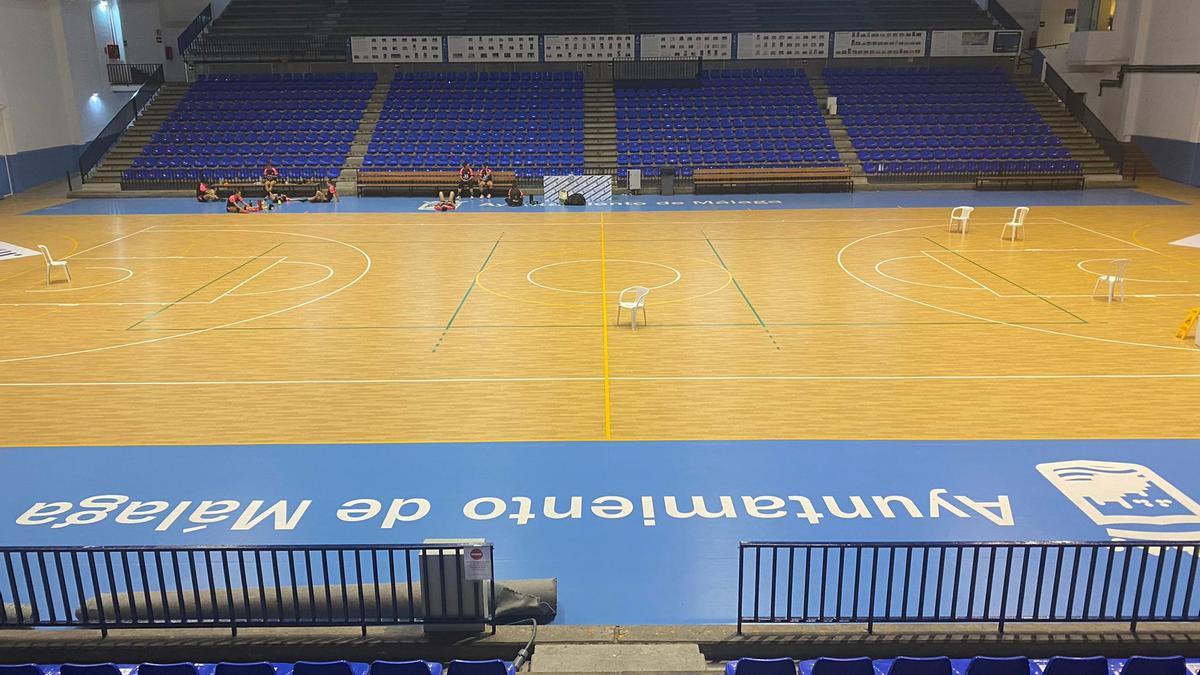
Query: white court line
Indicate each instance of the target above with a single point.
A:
(880, 272)
(77, 253)
(968, 277)
(1109, 236)
(841, 263)
(200, 331)
(181, 257)
(627, 378)
(293, 288)
(1036, 250)
(84, 288)
(248, 279)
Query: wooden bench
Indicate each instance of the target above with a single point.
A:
(798, 179)
(1058, 181)
(422, 183)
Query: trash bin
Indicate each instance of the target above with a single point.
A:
(668, 180)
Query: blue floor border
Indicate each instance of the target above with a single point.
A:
(635, 203)
(658, 522)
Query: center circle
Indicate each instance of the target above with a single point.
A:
(532, 272)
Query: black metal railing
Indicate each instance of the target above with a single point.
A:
(99, 147)
(194, 29)
(1079, 109)
(656, 71)
(129, 74)
(1124, 70)
(995, 582)
(1001, 15)
(246, 586)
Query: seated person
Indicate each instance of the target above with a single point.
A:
(206, 193)
(331, 190)
(235, 204)
(444, 204)
(485, 181)
(466, 179)
(515, 196)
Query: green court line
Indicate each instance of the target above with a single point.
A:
(1009, 281)
(466, 295)
(735, 282)
(160, 311)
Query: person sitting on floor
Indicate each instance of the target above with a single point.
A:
(515, 196)
(235, 204)
(485, 181)
(206, 192)
(331, 190)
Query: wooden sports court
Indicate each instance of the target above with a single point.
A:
(762, 324)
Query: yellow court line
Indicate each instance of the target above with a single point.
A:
(604, 321)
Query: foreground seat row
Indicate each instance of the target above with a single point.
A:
(457, 667)
(980, 665)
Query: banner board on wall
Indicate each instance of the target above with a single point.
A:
(492, 47)
(588, 47)
(687, 45)
(783, 45)
(878, 44)
(396, 48)
(975, 42)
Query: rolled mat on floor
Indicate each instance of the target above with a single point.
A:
(515, 599)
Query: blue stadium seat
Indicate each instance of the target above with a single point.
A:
(1076, 665)
(406, 667)
(1155, 665)
(486, 667)
(167, 669)
(910, 665)
(21, 669)
(89, 669)
(749, 666)
(998, 665)
(254, 668)
(830, 666)
(329, 668)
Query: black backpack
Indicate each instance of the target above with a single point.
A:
(576, 200)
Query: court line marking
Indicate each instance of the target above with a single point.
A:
(959, 272)
(617, 378)
(1109, 236)
(163, 338)
(144, 229)
(248, 279)
(1036, 250)
(841, 263)
(914, 283)
(84, 288)
(529, 274)
(604, 331)
(210, 283)
(474, 283)
(1144, 281)
(291, 288)
(738, 286)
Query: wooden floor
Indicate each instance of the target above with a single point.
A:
(277, 328)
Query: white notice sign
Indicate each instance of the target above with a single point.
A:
(477, 563)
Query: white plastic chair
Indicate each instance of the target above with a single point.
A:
(51, 263)
(632, 299)
(960, 218)
(1115, 278)
(1017, 223)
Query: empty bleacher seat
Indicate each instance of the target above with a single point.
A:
(998, 665)
(253, 668)
(406, 668)
(328, 668)
(830, 666)
(485, 667)
(1076, 665)
(912, 665)
(89, 669)
(1155, 665)
(760, 118)
(167, 669)
(919, 123)
(20, 669)
(749, 666)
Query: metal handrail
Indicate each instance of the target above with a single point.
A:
(1079, 109)
(106, 587)
(967, 581)
(194, 29)
(108, 136)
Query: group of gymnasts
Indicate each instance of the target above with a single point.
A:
(236, 203)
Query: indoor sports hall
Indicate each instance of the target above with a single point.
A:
(792, 331)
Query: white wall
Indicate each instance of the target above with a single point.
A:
(1166, 105)
(1053, 13)
(140, 20)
